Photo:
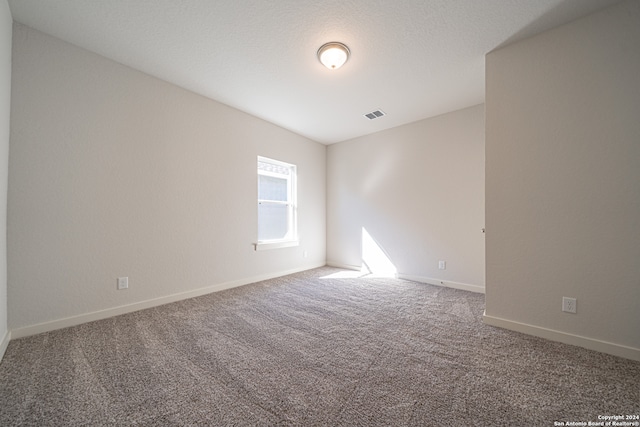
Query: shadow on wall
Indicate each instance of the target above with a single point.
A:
(375, 261)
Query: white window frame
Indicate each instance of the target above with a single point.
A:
(291, 238)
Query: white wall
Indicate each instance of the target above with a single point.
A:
(418, 190)
(5, 105)
(563, 182)
(116, 173)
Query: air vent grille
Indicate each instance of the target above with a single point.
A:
(374, 114)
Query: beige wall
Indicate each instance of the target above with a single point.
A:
(418, 190)
(116, 173)
(5, 105)
(563, 181)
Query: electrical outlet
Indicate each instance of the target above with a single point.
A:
(442, 265)
(569, 305)
(123, 283)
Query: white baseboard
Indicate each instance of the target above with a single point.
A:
(345, 266)
(421, 279)
(566, 338)
(4, 344)
(129, 308)
(445, 283)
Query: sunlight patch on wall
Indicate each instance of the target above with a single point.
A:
(374, 258)
(375, 262)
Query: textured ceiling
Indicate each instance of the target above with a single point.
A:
(411, 59)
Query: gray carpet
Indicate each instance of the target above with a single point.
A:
(306, 350)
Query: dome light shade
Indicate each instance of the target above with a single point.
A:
(333, 55)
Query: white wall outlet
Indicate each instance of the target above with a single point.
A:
(305, 254)
(569, 304)
(123, 283)
(442, 265)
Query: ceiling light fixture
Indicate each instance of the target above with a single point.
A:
(333, 55)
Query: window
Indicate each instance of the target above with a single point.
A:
(276, 204)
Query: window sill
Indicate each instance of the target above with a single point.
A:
(263, 246)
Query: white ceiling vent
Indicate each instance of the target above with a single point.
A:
(374, 114)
